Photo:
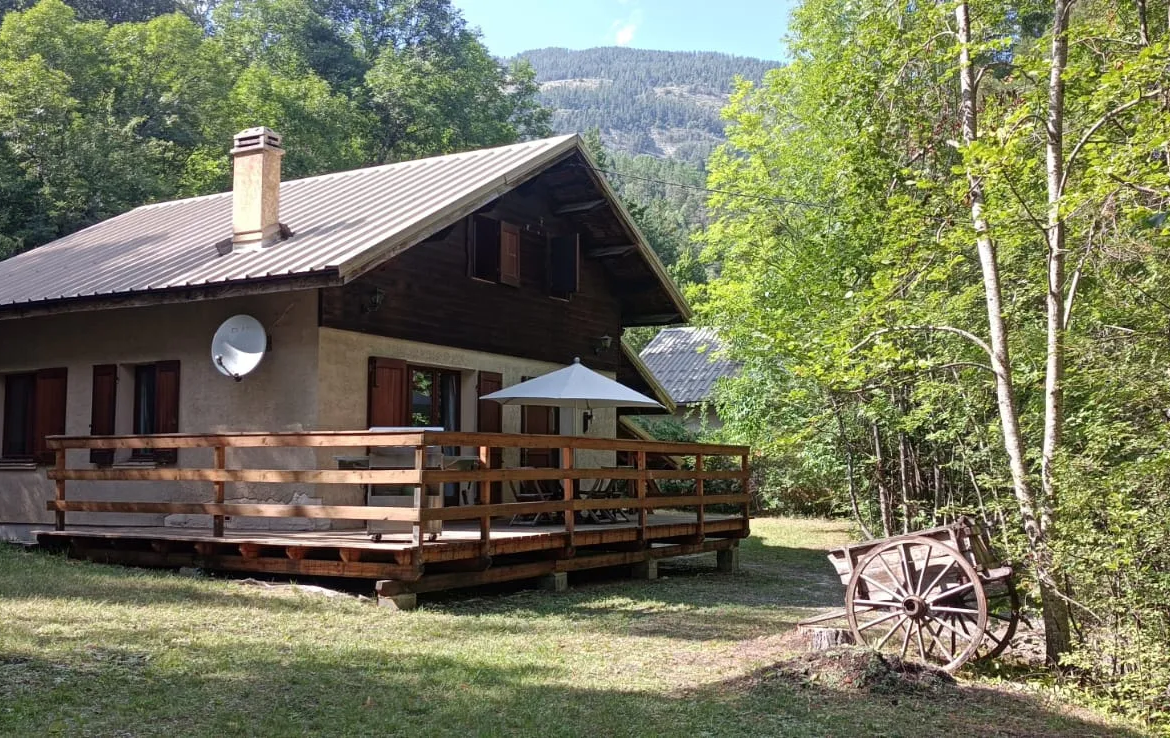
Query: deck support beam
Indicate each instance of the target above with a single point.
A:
(558, 581)
(727, 560)
(647, 569)
(402, 601)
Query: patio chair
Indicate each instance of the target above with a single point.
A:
(530, 491)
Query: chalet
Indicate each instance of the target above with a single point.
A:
(391, 296)
(687, 363)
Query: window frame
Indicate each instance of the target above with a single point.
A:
(160, 456)
(46, 415)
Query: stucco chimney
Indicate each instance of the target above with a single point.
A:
(256, 188)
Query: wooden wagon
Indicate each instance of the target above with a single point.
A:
(939, 595)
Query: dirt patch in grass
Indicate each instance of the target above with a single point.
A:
(852, 669)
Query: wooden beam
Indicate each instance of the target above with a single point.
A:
(579, 207)
(337, 512)
(605, 252)
(220, 463)
(347, 439)
(219, 476)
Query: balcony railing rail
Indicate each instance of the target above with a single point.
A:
(646, 495)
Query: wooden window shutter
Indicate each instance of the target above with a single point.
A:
(103, 410)
(49, 412)
(564, 265)
(509, 254)
(166, 402)
(387, 403)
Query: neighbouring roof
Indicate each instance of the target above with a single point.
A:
(343, 224)
(688, 362)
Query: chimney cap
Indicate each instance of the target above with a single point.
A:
(258, 138)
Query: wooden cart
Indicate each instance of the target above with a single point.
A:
(938, 595)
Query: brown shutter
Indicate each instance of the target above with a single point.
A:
(490, 419)
(387, 395)
(103, 410)
(166, 403)
(564, 265)
(509, 254)
(49, 411)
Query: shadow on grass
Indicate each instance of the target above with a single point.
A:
(238, 690)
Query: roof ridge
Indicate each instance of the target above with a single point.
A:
(366, 170)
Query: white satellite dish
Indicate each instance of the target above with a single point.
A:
(238, 346)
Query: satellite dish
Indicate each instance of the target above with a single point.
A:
(238, 346)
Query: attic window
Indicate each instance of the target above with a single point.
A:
(493, 249)
(564, 266)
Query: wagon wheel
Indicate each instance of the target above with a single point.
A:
(1003, 617)
(904, 597)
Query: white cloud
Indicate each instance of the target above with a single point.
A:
(624, 29)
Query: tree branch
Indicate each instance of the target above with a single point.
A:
(1072, 157)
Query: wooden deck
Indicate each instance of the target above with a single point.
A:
(478, 543)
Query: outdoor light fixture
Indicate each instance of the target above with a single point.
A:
(601, 343)
(373, 300)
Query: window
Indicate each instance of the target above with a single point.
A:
(34, 407)
(434, 398)
(402, 396)
(494, 250)
(156, 407)
(564, 266)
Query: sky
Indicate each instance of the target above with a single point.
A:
(743, 27)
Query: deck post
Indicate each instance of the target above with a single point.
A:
(702, 511)
(647, 569)
(217, 520)
(746, 468)
(558, 581)
(567, 484)
(643, 485)
(60, 466)
(416, 529)
(727, 560)
(485, 498)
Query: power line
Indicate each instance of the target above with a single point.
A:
(732, 193)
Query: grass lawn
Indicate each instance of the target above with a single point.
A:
(89, 650)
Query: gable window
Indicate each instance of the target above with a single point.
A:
(493, 248)
(34, 407)
(156, 407)
(564, 266)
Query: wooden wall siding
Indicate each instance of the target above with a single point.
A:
(430, 298)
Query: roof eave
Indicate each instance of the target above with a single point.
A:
(660, 392)
(171, 295)
(647, 253)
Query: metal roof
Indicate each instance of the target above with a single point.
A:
(688, 362)
(342, 224)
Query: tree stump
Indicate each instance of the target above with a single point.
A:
(822, 639)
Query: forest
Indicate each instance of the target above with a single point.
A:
(941, 240)
(661, 103)
(105, 105)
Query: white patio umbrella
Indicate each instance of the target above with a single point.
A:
(574, 386)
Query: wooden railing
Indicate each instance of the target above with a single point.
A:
(420, 477)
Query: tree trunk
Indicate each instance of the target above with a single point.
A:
(989, 264)
(849, 468)
(1056, 633)
(884, 498)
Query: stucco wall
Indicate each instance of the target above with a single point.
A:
(343, 362)
(279, 395)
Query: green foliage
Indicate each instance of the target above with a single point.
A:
(105, 106)
(851, 223)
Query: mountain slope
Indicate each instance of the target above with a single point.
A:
(661, 103)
